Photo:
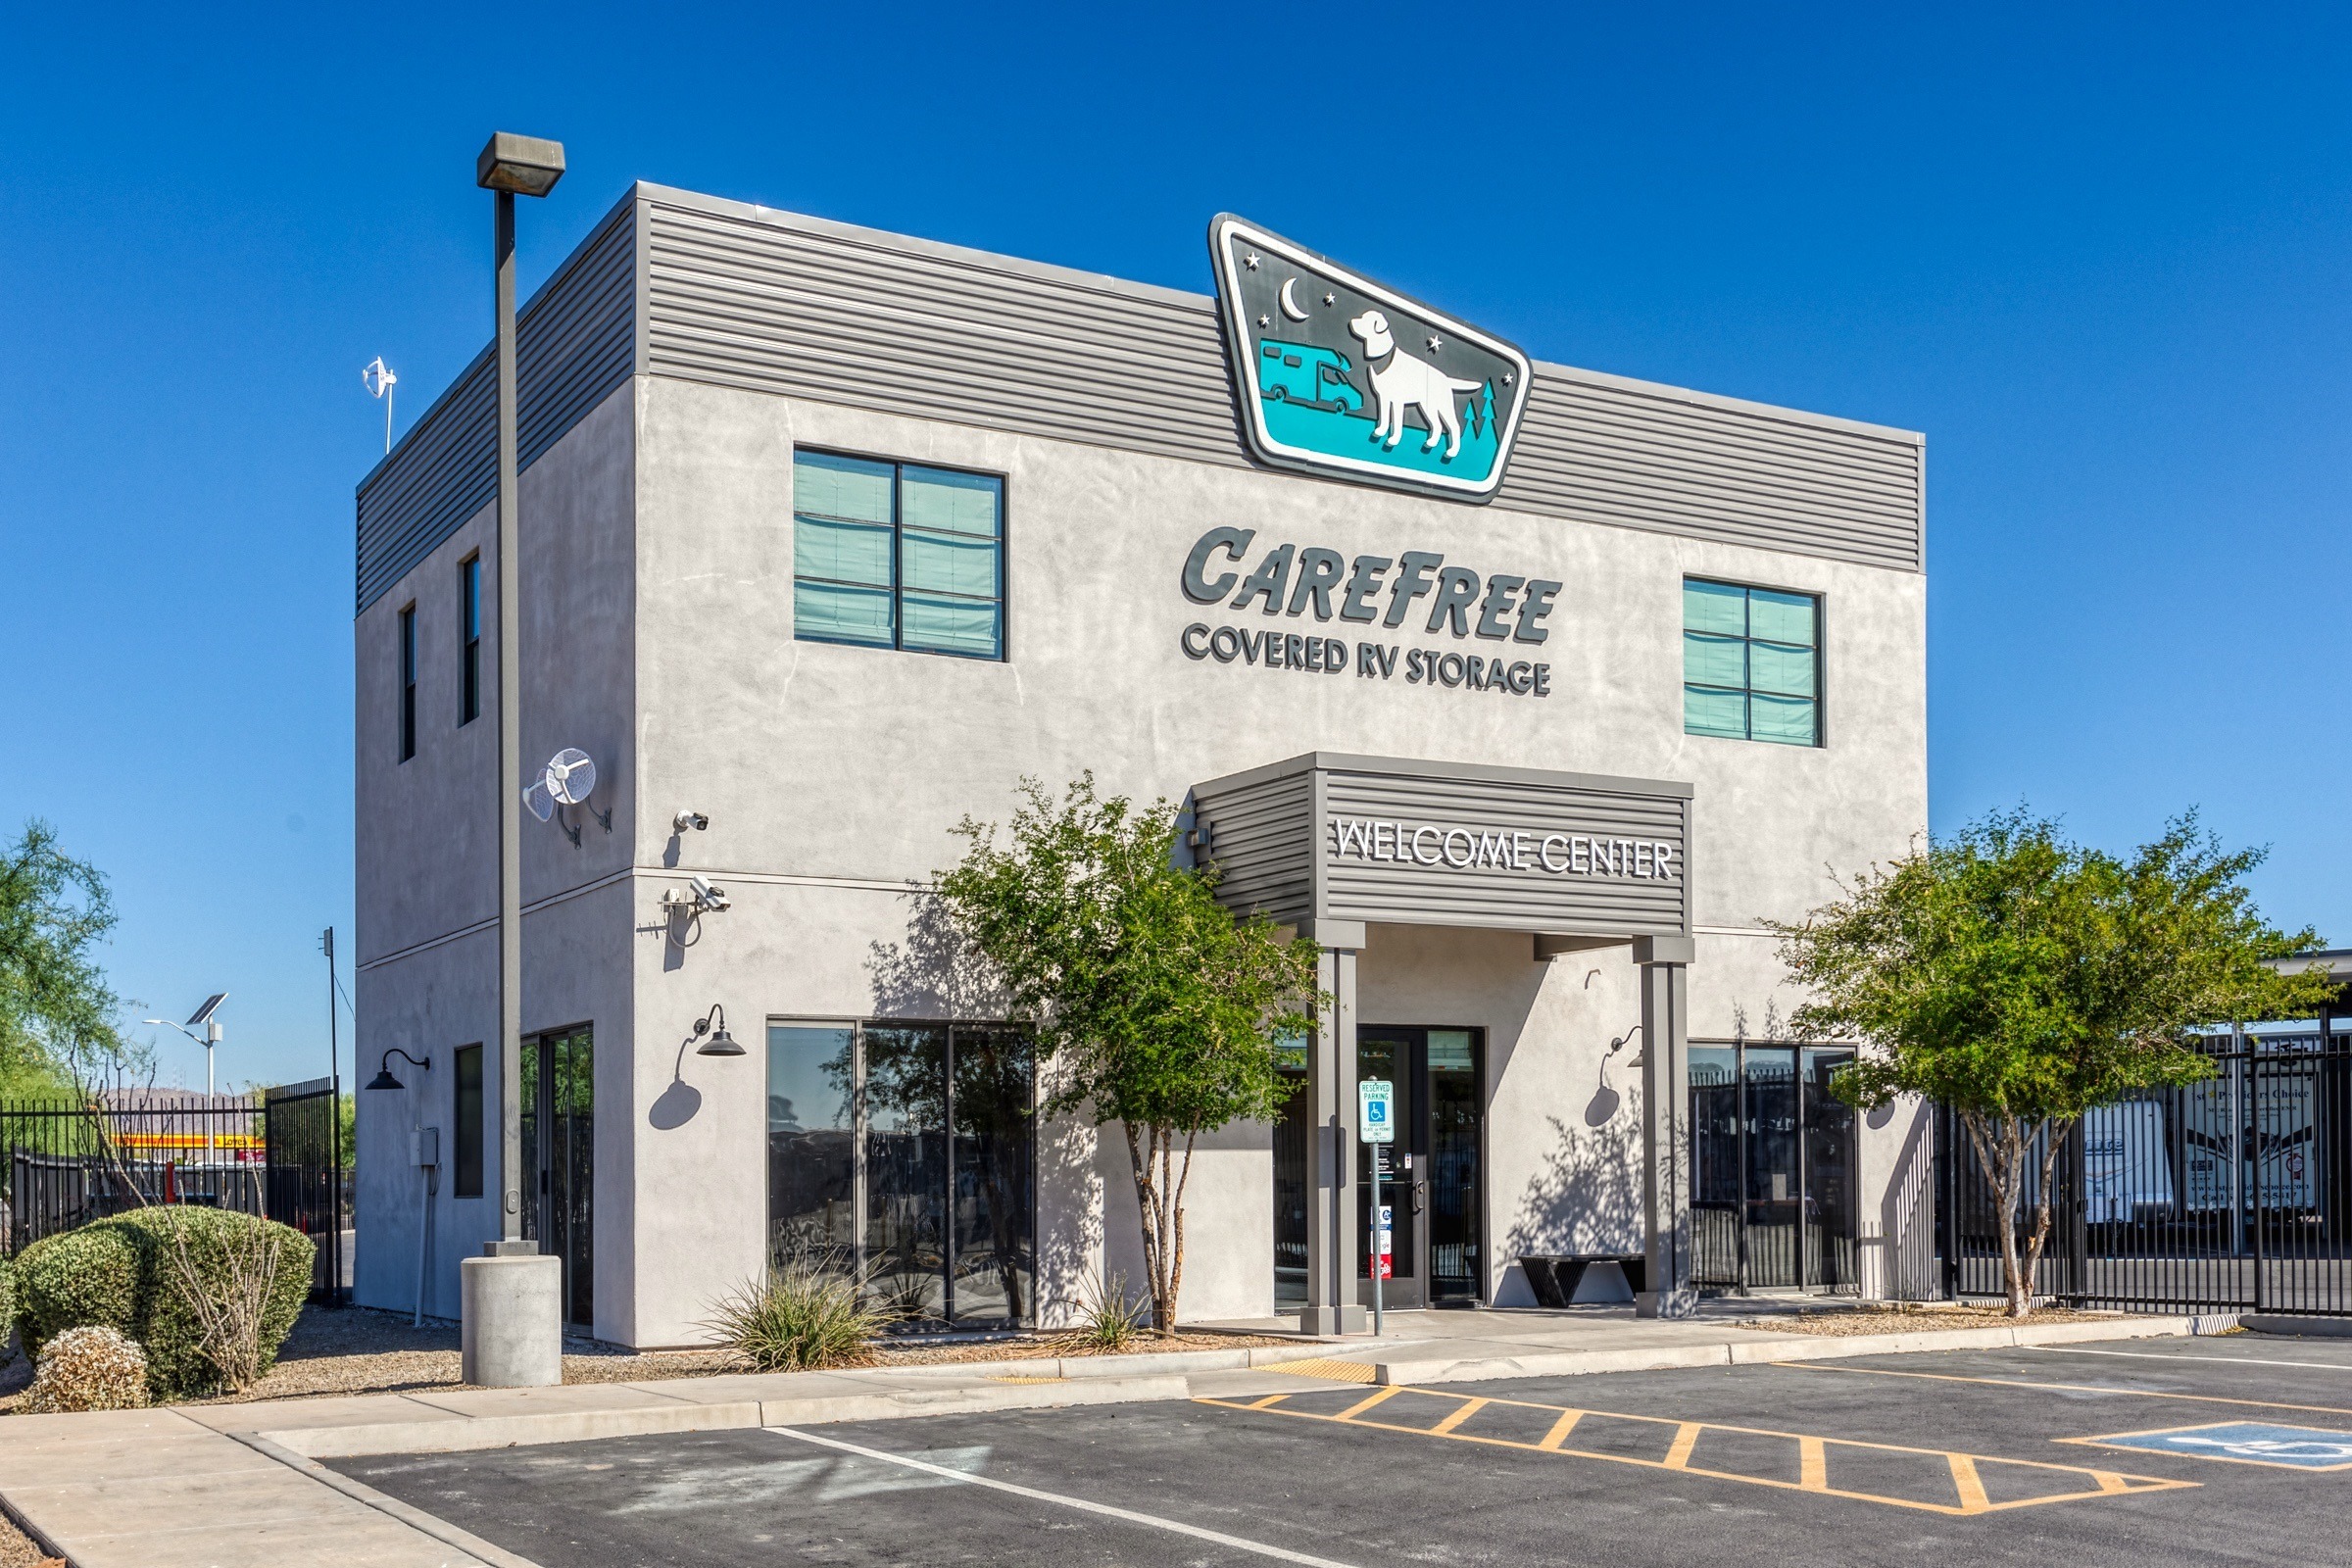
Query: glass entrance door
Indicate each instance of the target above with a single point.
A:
(559, 1144)
(1434, 1189)
(1772, 1165)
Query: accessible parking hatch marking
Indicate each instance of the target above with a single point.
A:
(1966, 1472)
(2311, 1449)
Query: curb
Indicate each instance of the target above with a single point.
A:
(1788, 1347)
(586, 1426)
(1142, 1362)
(2324, 1328)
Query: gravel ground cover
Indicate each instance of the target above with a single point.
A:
(358, 1350)
(16, 1549)
(1873, 1318)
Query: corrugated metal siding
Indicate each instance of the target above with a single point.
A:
(574, 342)
(1527, 898)
(867, 320)
(1272, 838)
(1262, 837)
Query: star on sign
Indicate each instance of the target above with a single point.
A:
(1506, 378)
(1251, 261)
(1434, 343)
(1330, 299)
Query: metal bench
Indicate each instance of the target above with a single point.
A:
(1554, 1276)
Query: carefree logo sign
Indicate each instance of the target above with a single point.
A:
(1339, 375)
(1469, 849)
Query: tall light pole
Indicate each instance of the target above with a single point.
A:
(505, 1342)
(207, 1040)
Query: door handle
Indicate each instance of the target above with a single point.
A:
(1420, 1195)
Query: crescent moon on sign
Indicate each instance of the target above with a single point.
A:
(1289, 301)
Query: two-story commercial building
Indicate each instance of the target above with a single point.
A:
(1531, 694)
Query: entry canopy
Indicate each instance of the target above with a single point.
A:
(1328, 841)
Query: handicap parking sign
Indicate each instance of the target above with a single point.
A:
(2244, 1443)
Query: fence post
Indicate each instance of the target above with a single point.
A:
(2077, 1206)
(1947, 1202)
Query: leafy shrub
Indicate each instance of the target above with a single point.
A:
(800, 1317)
(76, 1279)
(8, 1303)
(208, 1293)
(1109, 1319)
(88, 1368)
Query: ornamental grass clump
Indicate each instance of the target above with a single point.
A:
(89, 1368)
(1110, 1319)
(803, 1316)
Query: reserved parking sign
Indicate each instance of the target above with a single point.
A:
(1375, 1100)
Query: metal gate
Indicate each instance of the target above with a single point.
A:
(1773, 1199)
(2231, 1194)
(302, 1173)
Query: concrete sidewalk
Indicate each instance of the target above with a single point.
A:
(240, 1486)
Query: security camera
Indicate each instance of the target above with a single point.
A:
(685, 820)
(708, 897)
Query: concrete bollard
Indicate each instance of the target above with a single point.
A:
(512, 1327)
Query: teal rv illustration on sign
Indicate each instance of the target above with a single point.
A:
(1345, 377)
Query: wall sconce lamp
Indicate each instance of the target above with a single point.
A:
(720, 1043)
(383, 1078)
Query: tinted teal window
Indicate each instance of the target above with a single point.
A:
(1751, 664)
(898, 556)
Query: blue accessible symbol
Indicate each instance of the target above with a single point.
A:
(2243, 1442)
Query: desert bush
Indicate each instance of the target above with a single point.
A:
(8, 1303)
(802, 1316)
(1110, 1319)
(209, 1295)
(87, 1368)
(78, 1279)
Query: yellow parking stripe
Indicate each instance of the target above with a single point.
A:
(1969, 1485)
(1559, 1430)
(1812, 1465)
(1686, 1438)
(1361, 1406)
(1966, 1471)
(1469, 1408)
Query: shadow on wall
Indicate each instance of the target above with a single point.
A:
(1906, 1250)
(1588, 1196)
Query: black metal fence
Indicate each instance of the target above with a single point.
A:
(278, 1155)
(2234, 1194)
(303, 1173)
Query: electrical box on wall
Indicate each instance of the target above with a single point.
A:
(425, 1145)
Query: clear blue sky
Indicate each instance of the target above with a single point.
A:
(2100, 256)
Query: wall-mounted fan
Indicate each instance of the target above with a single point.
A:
(568, 779)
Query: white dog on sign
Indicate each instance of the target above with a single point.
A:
(1405, 382)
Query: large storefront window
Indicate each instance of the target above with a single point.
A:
(1772, 1168)
(906, 1153)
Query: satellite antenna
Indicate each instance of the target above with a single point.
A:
(378, 379)
(568, 779)
(570, 776)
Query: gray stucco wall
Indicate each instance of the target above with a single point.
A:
(658, 623)
(426, 850)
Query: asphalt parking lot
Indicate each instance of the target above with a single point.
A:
(2223, 1450)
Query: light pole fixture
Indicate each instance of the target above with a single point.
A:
(383, 1078)
(720, 1043)
(510, 166)
(511, 1317)
(207, 1040)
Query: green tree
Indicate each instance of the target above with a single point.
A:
(2020, 979)
(57, 1011)
(1152, 1003)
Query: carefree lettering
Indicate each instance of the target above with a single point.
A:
(1466, 849)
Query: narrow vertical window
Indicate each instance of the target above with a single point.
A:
(468, 1172)
(408, 683)
(469, 634)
